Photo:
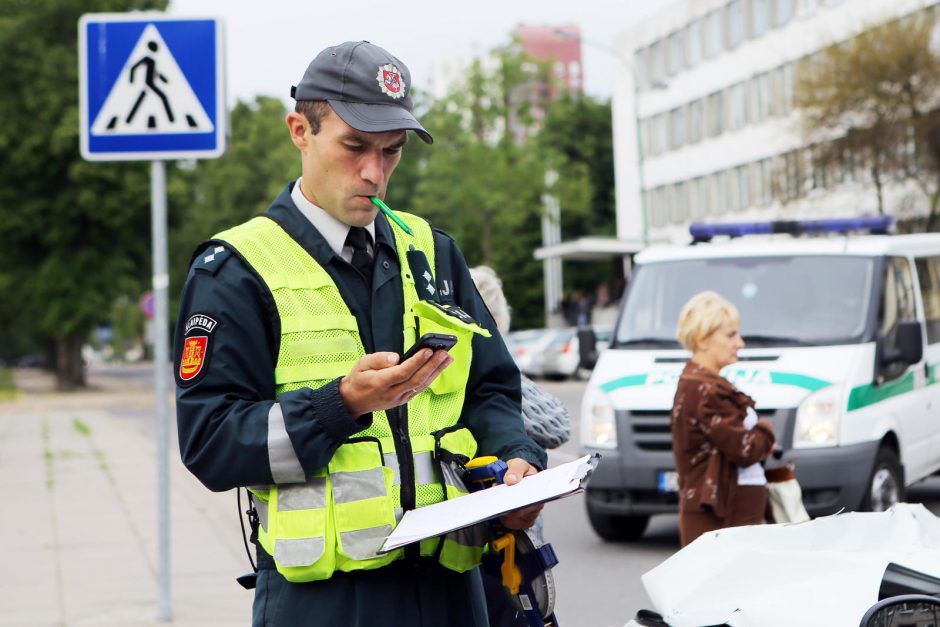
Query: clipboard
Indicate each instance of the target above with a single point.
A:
(440, 518)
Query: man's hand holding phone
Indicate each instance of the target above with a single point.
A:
(385, 380)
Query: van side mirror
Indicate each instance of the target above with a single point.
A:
(587, 348)
(906, 609)
(908, 344)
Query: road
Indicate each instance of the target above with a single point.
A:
(598, 583)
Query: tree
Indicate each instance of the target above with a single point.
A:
(875, 96)
(74, 233)
(580, 128)
(484, 178)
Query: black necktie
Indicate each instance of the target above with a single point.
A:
(358, 239)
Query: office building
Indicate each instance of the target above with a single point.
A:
(711, 97)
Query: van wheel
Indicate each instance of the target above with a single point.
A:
(885, 484)
(613, 528)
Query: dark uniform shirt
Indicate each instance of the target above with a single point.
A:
(226, 389)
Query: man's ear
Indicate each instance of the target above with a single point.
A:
(297, 125)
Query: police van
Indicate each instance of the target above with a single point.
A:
(841, 321)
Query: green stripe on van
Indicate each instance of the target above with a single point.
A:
(795, 379)
(737, 377)
(624, 382)
(868, 394)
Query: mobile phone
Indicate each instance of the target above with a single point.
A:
(434, 341)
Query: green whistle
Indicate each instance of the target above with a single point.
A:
(391, 214)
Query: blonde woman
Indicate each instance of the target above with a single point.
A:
(717, 439)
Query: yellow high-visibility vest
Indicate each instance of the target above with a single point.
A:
(339, 518)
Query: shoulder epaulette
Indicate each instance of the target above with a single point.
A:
(211, 259)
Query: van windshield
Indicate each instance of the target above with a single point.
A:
(784, 301)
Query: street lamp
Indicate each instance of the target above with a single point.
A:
(563, 34)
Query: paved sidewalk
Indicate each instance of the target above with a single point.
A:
(80, 518)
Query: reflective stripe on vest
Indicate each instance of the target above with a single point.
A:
(339, 518)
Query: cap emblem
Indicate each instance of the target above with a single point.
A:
(391, 82)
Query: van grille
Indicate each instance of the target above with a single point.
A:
(651, 429)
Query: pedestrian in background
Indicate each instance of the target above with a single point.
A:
(717, 438)
(290, 381)
(547, 421)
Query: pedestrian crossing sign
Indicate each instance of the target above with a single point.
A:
(152, 87)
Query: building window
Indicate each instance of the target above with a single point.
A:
(794, 175)
(766, 181)
(646, 137)
(657, 63)
(736, 23)
(744, 187)
(695, 199)
(661, 210)
(760, 98)
(709, 196)
(783, 12)
(721, 192)
(715, 115)
(696, 121)
(676, 57)
(760, 17)
(819, 167)
(679, 203)
(693, 44)
(756, 191)
(781, 89)
(714, 41)
(677, 127)
(660, 134)
(641, 60)
(737, 107)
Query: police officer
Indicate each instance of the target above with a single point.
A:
(289, 379)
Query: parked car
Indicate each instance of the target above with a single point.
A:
(527, 346)
(563, 358)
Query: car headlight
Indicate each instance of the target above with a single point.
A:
(598, 420)
(817, 418)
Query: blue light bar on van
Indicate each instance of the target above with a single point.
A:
(702, 232)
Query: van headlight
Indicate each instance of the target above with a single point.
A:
(817, 418)
(598, 420)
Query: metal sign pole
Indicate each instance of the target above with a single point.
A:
(161, 359)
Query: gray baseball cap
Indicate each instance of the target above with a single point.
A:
(366, 85)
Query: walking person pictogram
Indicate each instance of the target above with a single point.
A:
(150, 76)
(151, 94)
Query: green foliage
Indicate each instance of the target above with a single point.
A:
(7, 385)
(484, 179)
(75, 234)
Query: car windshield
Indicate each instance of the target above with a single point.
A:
(784, 301)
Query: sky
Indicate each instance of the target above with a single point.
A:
(270, 42)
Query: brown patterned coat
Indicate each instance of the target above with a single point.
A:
(709, 440)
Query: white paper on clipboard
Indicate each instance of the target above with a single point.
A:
(438, 519)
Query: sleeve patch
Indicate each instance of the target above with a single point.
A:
(197, 340)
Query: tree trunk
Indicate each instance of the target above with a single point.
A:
(876, 177)
(69, 367)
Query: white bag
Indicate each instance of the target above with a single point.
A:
(785, 496)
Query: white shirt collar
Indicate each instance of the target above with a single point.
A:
(332, 230)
